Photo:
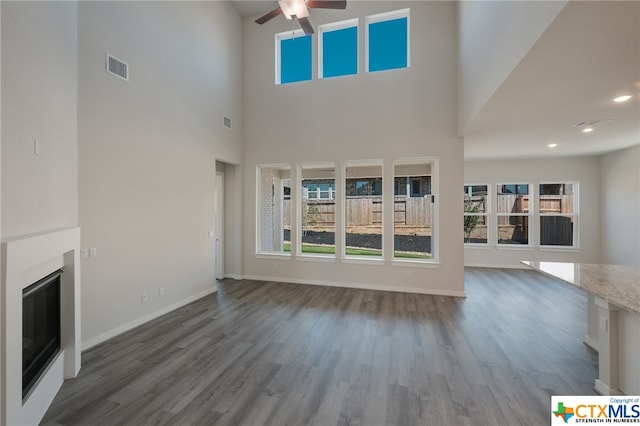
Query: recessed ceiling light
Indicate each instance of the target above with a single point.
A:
(621, 99)
(552, 145)
(587, 130)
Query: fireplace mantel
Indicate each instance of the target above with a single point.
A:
(25, 260)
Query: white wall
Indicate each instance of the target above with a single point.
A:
(584, 170)
(621, 206)
(384, 115)
(494, 37)
(39, 101)
(148, 149)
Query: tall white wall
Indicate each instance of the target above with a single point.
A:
(383, 115)
(39, 101)
(148, 151)
(584, 170)
(494, 36)
(621, 206)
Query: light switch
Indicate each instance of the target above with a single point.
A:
(210, 234)
(84, 253)
(36, 146)
(93, 252)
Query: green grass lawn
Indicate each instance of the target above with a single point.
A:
(353, 251)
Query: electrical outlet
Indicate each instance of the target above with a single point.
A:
(144, 297)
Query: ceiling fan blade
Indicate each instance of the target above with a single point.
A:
(327, 4)
(305, 25)
(269, 16)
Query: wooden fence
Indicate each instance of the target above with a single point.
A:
(365, 211)
(519, 204)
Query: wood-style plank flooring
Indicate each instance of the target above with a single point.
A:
(263, 353)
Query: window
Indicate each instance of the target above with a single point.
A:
(416, 187)
(318, 209)
(338, 49)
(293, 57)
(274, 209)
(318, 190)
(513, 211)
(368, 187)
(363, 209)
(557, 214)
(387, 39)
(475, 214)
(413, 215)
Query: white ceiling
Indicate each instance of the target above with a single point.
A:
(588, 55)
(254, 7)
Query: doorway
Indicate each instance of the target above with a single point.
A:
(219, 226)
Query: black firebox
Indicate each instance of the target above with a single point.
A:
(40, 328)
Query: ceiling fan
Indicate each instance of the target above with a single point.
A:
(299, 10)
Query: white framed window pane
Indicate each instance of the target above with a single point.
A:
(556, 230)
(318, 210)
(414, 209)
(388, 41)
(294, 62)
(556, 198)
(557, 213)
(475, 214)
(513, 229)
(513, 199)
(338, 49)
(274, 204)
(363, 209)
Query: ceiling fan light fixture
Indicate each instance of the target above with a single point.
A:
(294, 9)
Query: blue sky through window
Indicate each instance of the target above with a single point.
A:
(340, 52)
(388, 44)
(295, 59)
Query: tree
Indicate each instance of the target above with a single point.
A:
(471, 221)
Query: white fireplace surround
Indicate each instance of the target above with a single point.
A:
(25, 260)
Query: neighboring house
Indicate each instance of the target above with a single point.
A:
(324, 189)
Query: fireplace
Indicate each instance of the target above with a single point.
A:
(40, 328)
(25, 260)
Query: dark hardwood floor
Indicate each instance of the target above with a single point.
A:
(284, 354)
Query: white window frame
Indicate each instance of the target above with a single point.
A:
(299, 213)
(334, 26)
(258, 223)
(387, 16)
(529, 215)
(287, 35)
(486, 214)
(575, 215)
(343, 228)
(435, 219)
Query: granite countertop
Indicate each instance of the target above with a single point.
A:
(617, 284)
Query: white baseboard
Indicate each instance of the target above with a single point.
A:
(94, 341)
(418, 290)
(591, 342)
(603, 389)
(495, 265)
(233, 276)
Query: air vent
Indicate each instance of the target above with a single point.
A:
(226, 122)
(117, 67)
